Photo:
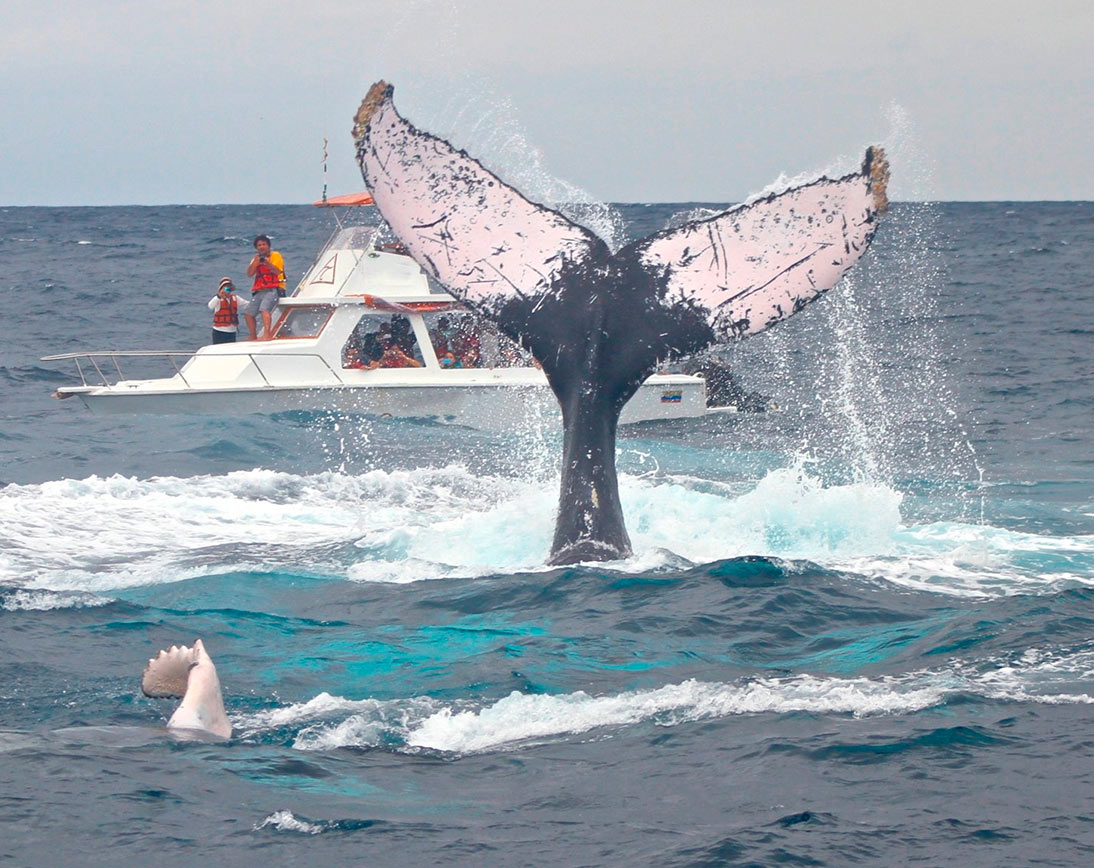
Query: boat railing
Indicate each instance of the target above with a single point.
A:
(107, 359)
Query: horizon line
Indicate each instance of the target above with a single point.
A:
(662, 202)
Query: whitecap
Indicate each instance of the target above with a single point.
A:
(522, 717)
(44, 601)
(286, 821)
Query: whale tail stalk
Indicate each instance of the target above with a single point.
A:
(188, 673)
(599, 323)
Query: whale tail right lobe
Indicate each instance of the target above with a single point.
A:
(188, 672)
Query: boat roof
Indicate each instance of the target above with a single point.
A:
(348, 200)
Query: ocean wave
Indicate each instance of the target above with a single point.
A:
(325, 723)
(22, 374)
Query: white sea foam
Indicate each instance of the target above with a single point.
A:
(328, 723)
(299, 713)
(95, 535)
(521, 717)
(788, 515)
(979, 560)
(286, 821)
(1041, 673)
(44, 601)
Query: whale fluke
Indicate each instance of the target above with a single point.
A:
(188, 672)
(598, 322)
(756, 264)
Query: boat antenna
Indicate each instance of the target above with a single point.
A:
(324, 170)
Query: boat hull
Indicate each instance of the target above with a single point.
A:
(485, 406)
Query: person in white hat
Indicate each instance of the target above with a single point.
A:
(225, 308)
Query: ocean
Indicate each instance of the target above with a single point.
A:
(857, 629)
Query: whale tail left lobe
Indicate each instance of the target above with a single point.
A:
(188, 672)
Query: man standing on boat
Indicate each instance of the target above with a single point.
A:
(267, 267)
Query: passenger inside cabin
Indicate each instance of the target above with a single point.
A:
(363, 349)
(458, 336)
(351, 357)
(441, 336)
(368, 347)
(379, 343)
(394, 356)
(403, 334)
(382, 337)
(509, 354)
(469, 349)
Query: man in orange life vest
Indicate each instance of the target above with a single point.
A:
(268, 269)
(225, 308)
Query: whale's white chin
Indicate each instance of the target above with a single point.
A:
(188, 672)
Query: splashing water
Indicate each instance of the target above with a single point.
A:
(83, 537)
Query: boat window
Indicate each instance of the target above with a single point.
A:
(304, 322)
(382, 341)
(463, 340)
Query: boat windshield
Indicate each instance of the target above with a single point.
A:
(353, 238)
(304, 322)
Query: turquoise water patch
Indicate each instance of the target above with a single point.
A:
(848, 650)
(393, 660)
(243, 591)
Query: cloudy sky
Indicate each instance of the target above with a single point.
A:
(187, 101)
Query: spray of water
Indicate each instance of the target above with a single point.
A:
(862, 375)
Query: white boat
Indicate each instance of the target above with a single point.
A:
(358, 292)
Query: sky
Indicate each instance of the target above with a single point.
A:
(114, 102)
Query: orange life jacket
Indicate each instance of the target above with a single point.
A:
(228, 312)
(266, 277)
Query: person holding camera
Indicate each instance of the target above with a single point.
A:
(267, 267)
(225, 308)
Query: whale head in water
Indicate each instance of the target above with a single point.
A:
(600, 322)
(188, 673)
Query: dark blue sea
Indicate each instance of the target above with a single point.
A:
(857, 629)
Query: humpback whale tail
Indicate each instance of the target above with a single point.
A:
(599, 322)
(189, 673)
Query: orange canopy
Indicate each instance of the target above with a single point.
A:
(344, 201)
